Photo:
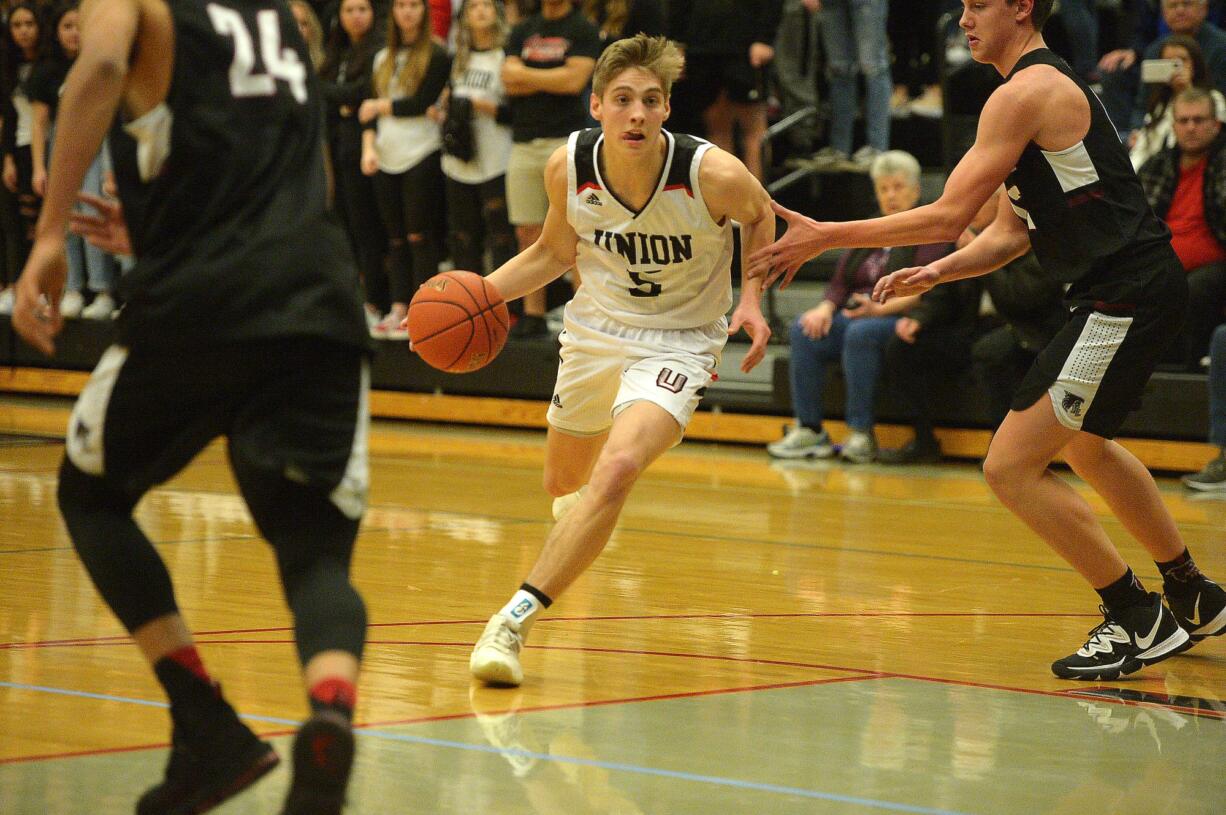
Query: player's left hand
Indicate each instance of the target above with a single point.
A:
(36, 310)
(805, 239)
(751, 319)
(905, 282)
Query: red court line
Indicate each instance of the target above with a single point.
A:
(473, 714)
(595, 618)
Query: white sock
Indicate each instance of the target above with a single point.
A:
(522, 611)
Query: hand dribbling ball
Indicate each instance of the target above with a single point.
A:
(458, 322)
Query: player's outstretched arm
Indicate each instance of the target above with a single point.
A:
(553, 252)
(731, 191)
(90, 97)
(1004, 239)
(1010, 119)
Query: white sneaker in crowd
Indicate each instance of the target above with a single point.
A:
(861, 448)
(103, 308)
(6, 301)
(71, 305)
(802, 442)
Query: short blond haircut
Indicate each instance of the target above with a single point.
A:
(658, 56)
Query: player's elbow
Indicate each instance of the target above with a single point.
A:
(106, 68)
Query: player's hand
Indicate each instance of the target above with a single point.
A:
(760, 54)
(1120, 59)
(907, 329)
(36, 310)
(816, 322)
(370, 162)
(804, 239)
(861, 305)
(905, 282)
(750, 318)
(108, 229)
(372, 109)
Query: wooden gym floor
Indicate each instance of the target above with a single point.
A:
(758, 637)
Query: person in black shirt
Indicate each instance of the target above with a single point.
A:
(1071, 194)
(242, 320)
(550, 59)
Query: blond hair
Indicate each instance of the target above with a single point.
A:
(420, 50)
(315, 32)
(464, 36)
(659, 56)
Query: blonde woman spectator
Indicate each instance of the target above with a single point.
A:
(476, 184)
(400, 148)
(1158, 132)
(311, 30)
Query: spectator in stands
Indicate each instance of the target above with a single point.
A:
(440, 20)
(1186, 186)
(728, 47)
(309, 27)
(346, 79)
(795, 64)
(854, 39)
(87, 264)
(550, 59)
(476, 185)
(913, 39)
(931, 344)
(1158, 131)
(1212, 477)
(1124, 95)
(625, 18)
(18, 52)
(848, 325)
(401, 150)
(1080, 21)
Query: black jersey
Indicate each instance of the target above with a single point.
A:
(1086, 211)
(226, 192)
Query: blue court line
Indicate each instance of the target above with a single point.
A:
(679, 775)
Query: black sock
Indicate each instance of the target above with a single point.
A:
(1180, 576)
(1123, 593)
(538, 594)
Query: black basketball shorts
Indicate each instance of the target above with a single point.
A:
(1095, 369)
(294, 407)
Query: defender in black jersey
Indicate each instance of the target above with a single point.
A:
(243, 320)
(1072, 196)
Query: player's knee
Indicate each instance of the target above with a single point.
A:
(615, 474)
(329, 614)
(81, 496)
(1003, 473)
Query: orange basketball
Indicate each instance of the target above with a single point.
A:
(458, 322)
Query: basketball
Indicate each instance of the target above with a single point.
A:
(458, 322)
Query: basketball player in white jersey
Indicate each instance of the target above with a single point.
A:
(646, 217)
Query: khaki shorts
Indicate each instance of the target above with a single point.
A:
(527, 201)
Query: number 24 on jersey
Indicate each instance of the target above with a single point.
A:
(279, 63)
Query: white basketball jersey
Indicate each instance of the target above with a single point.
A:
(665, 266)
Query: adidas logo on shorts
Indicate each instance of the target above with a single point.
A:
(557, 401)
(594, 200)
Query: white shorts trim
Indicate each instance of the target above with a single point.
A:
(1074, 390)
(350, 495)
(86, 428)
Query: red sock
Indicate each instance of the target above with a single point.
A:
(189, 658)
(338, 694)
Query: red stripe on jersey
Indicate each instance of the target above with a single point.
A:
(588, 185)
(685, 187)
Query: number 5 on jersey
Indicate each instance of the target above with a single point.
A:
(280, 63)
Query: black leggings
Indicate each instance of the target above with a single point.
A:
(477, 220)
(355, 200)
(20, 213)
(411, 206)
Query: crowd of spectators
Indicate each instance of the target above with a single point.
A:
(442, 113)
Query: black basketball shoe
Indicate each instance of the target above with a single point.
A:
(1202, 612)
(213, 757)
(1125, 641)
(323, 757)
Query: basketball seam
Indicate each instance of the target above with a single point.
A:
(467, 317)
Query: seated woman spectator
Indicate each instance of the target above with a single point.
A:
(1158, 132)
(1212, 478)
(401, 149)
(87, 264)
(848, 326)
(476, 183)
